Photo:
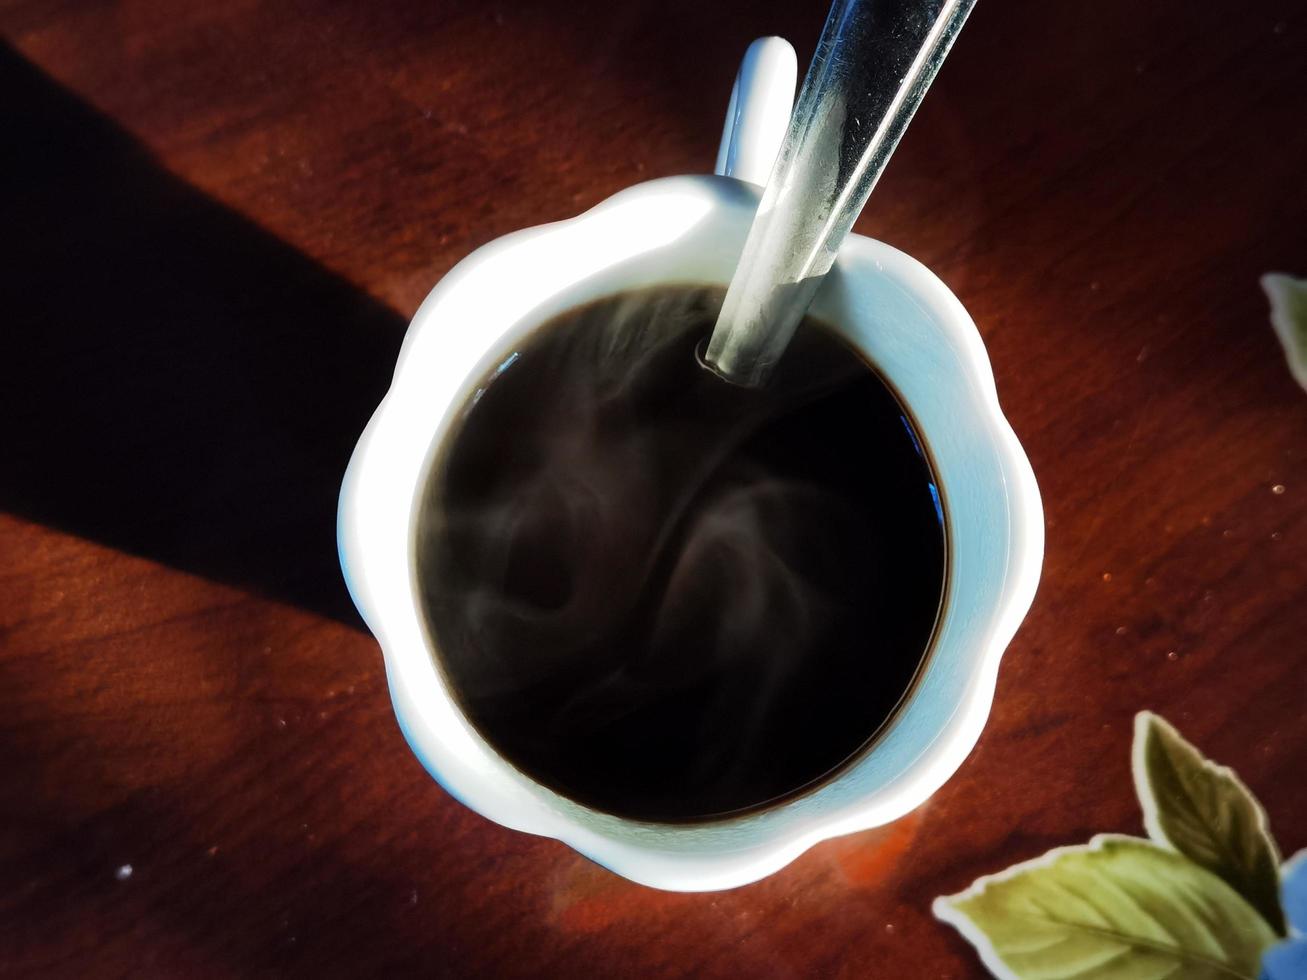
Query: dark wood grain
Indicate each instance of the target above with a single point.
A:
(218, 218)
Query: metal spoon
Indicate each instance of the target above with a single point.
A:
(874, 62)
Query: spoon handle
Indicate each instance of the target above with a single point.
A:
(873, 64)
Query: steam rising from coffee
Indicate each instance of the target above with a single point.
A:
(662, 595)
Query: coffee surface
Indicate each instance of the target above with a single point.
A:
(666, 597)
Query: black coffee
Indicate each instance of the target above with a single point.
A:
(670, 598)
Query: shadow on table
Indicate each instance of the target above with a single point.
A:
(175, 382)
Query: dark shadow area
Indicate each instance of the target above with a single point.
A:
(176, 382)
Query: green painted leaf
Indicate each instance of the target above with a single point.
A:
(1205, 812)
(1119, 908)
(1288, 298)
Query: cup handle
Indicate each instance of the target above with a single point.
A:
(759, 113)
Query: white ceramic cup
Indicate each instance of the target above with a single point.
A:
(691, 230)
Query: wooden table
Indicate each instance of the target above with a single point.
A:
(218, 218)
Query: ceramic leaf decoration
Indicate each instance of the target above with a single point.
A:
(1288, 298)
(1199, 898)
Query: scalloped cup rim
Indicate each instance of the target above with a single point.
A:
(394, 453)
